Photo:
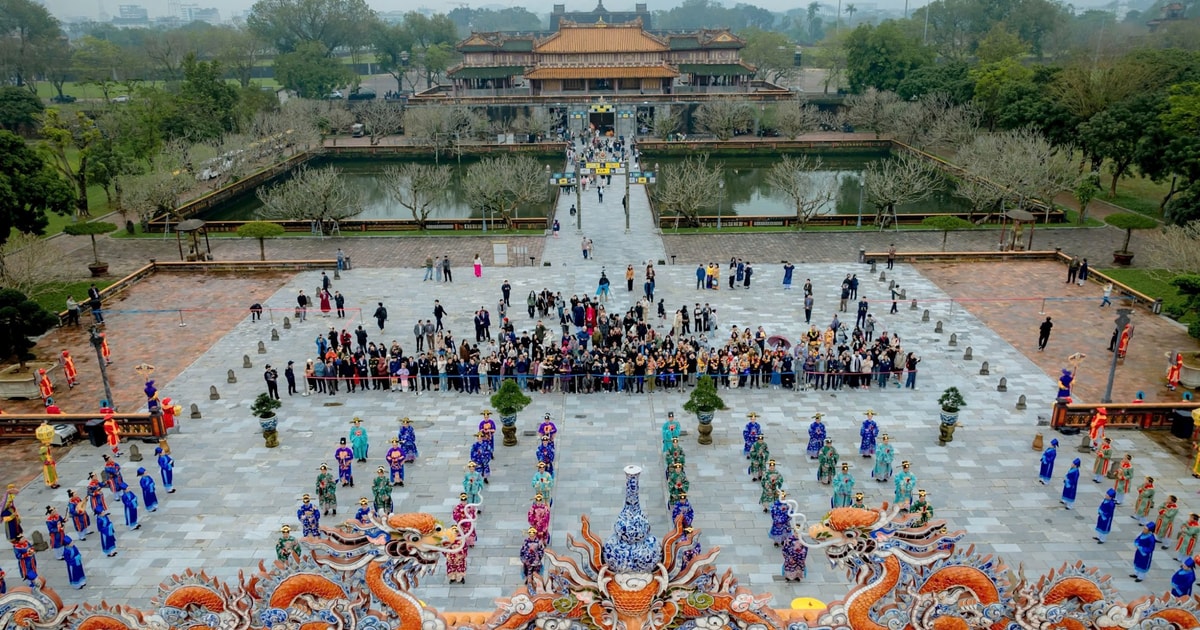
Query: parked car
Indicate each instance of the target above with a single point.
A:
(336, 94)
(362, 95)
(124, 98)
(65, 98)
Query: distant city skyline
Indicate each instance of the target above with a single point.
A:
(68, 9)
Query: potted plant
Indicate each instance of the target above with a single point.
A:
(264, 407)
(508, 402)
(951, 401)
(92, 228)
(1129, 222)
(703, 402)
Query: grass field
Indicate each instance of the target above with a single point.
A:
(55, 297)
(1155, 283)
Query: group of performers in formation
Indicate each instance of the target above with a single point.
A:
(773, 497)
(63, 545)
(1157, 526)
(466, 511)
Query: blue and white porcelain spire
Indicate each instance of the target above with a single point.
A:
(631, 548)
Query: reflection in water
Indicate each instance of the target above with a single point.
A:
(366, 176)
(748, 194)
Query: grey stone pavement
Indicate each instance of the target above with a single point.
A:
(233, 493)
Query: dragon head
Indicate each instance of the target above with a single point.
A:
(415, 538)
(848, 535)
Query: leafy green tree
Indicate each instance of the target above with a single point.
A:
(769, 51)
(1185, 206)
(951, 78)
(18, 108)
(999, 44)
(28, 189)
(393, 45)
(287, 24)
(21, 321)
(1116, 133)
(1183, 109)
(69, 141)
(205, 102)
(27, 33)
(100, 63)
(1188, 285)
(991, 80)
(1129, 222)
(882, 56)
(1085, 191)
(310, 72)
(261, 230)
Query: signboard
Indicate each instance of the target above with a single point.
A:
(625, 113)
(600, 109)
(577, 115)
(641, 177)
(603, 171)
(562, 179)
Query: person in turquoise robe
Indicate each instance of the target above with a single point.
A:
(884, 456)
(670, 430)
(843, 488)
(359, 441)
(473, 485)
(905, 482)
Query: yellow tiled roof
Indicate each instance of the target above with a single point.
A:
(600, 38)
(601, 72)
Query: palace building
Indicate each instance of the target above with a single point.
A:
(601, 59)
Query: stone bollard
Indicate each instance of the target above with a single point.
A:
(38, 541)
(262, 349)
(274, 334)
(212, 393)
(246, 360)
(196, 411)
(925, 315)
(904, 294)
(231, 377)
(1021, 403)
(1003, 386)
(872, 265)
(967, 355)
(913, 305)
(287, 324)
(937, 328)
(983, 369)
(134, 454)
(891, 285)
(883, 276)
(1037, 442)
(953, 339)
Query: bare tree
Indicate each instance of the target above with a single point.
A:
(380, 118)
(439, 126)
(30, 264)
(797, 117)
(1176, 249)
(501, 185)
(683, 189)
(156, 192)
(666, 124)
(799, 179)
(900, 180)
(934, 120)
(873, 110)
(983, 196)
(418, 187)
(319, 195)
(537, 123)
(725, 117)
(229, 161)
(1022, 164)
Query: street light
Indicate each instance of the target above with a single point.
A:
(862, 191)
(1122, 319)
(97, 341)
(720, 201)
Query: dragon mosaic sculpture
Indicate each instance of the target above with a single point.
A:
(905, 577)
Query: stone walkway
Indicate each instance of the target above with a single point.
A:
(234, 493)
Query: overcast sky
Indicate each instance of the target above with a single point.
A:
(91, 8)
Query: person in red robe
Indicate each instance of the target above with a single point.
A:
(104, 350)
(69, 371)
(45, 387)
(1123, 344)
(168, 414)
(1096, 431)
(113, 432)
(1173, 372)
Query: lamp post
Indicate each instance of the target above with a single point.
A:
(862, 192)
(96, 343)
(720, 201)
(1122, 319)
(579, 196)
(627, 199)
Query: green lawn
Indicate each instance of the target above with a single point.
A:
(1155, 283)
(55, 299)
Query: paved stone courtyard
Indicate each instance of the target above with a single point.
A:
(233, 494)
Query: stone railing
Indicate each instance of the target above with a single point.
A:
(1141, 416)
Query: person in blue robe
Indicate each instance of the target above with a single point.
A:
(26, 559)
(112, 474)
(309, 516)
(78, 514)
(130, 500)
(1144, 544)
(868, 433)
(345, 462)
(482, 457)
(108, 534)
(166, 470)
(1064, 384)
(1184, 579)
(545, 454)
(408, 440)
(683, 508)
(1047, 469)
(358, 439)
(149, 496)
(56, 526)
(1071, 485)
(749, 434)
(74, 564)
(95, 494)
(781, 519)
(1104, 518)
(363, 515)
(816, 436)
